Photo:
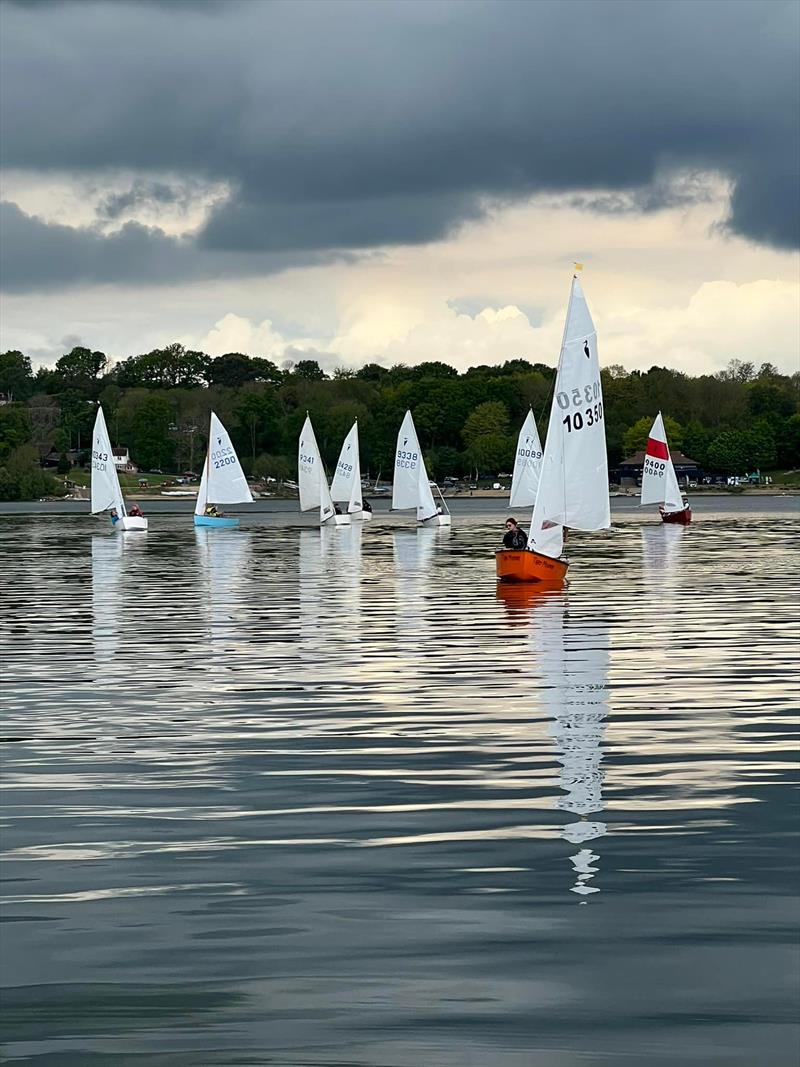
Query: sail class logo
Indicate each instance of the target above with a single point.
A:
(586, 351)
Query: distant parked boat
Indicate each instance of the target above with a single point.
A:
(411, 488)
(106, 491)
(573, 484)
(223, 480)
(346, 484)
(313, 484)
(659, 481)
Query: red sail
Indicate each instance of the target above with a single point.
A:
(657, 449)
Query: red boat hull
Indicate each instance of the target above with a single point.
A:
(525, 565)
(684, 517)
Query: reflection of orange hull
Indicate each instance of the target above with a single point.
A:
(528, 566)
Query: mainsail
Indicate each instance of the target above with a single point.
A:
(346, 484)
(411, 488)
(659, 481)
(106, 492)
(313, 484)
(223, 481)
(527, 465)
(573, 485)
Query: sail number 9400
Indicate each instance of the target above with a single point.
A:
(577, 420)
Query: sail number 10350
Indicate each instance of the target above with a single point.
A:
(579, 419)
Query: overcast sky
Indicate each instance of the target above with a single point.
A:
(401, 181)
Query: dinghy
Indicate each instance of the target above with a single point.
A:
(573, 483)
(411, 488)
(223, 480)
(659, 481)
(106, 491)
(312, 483)
(346, 484)
(527, 465)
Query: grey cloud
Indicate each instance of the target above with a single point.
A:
(353, 125)
(36, 255)
(144, 192)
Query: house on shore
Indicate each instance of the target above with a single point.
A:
(629, 471)
(122, 460)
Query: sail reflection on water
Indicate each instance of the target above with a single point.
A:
(223, 555)
(571, 658)
(107, 601)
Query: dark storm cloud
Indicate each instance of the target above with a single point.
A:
(353, 125)
(36, 255)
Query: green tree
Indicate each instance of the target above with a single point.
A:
(78, 371)
(635, 439)
(485, 435)
(21, 477)
(310, 369)
(16, 376)
(173, 367)
(15, 429)
(153, 446)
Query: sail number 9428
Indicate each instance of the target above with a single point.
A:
(577, 420)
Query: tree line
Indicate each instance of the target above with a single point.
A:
(157, 404)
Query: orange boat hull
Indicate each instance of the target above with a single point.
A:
(528, 566)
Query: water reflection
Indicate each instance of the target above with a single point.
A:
(570, 657)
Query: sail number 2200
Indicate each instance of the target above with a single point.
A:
(578, 419)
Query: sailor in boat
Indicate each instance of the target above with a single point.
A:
(211, 511)
(114, 515)
(365, 505)
(514, 537)
(136, 512)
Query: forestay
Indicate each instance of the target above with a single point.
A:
(223, 481)
(311, 478)
(106, 492)
(411, 488)
(346, 484)
(573, 485)
(659, 481)
(527, 465)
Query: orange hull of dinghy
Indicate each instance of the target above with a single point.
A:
(684, 517)
(528, 566)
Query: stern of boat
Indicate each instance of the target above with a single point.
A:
(215, 520)
(130, 523)
(525, 565)
(437, 520)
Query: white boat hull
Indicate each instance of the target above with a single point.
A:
(361, 516)
(129, 523)
(336, 520)
(437, 520)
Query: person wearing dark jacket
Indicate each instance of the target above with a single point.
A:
(515, 536)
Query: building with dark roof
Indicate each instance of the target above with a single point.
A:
(629, 471)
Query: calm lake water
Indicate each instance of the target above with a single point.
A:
(288, 797)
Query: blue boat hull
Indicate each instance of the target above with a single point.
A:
(211, 520)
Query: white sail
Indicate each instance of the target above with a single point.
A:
(106, 492)
(223, 480)
(346, 484)
(659, 481)
(573, 485)
(313, 485)
(411, 488)
(527, 465)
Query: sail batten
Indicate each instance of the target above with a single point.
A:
(311, 479)
(527, 465)
(659, 481)
(346, 484)
(573, 483)
(223, 481)
(411, 487)
(106, 491)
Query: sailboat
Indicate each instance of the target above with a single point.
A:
(346, 484)
(573, 483)
(527, 465)
(659, 481)
(223, 480)
(106, 491)
(313, 485)
(411, 488)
